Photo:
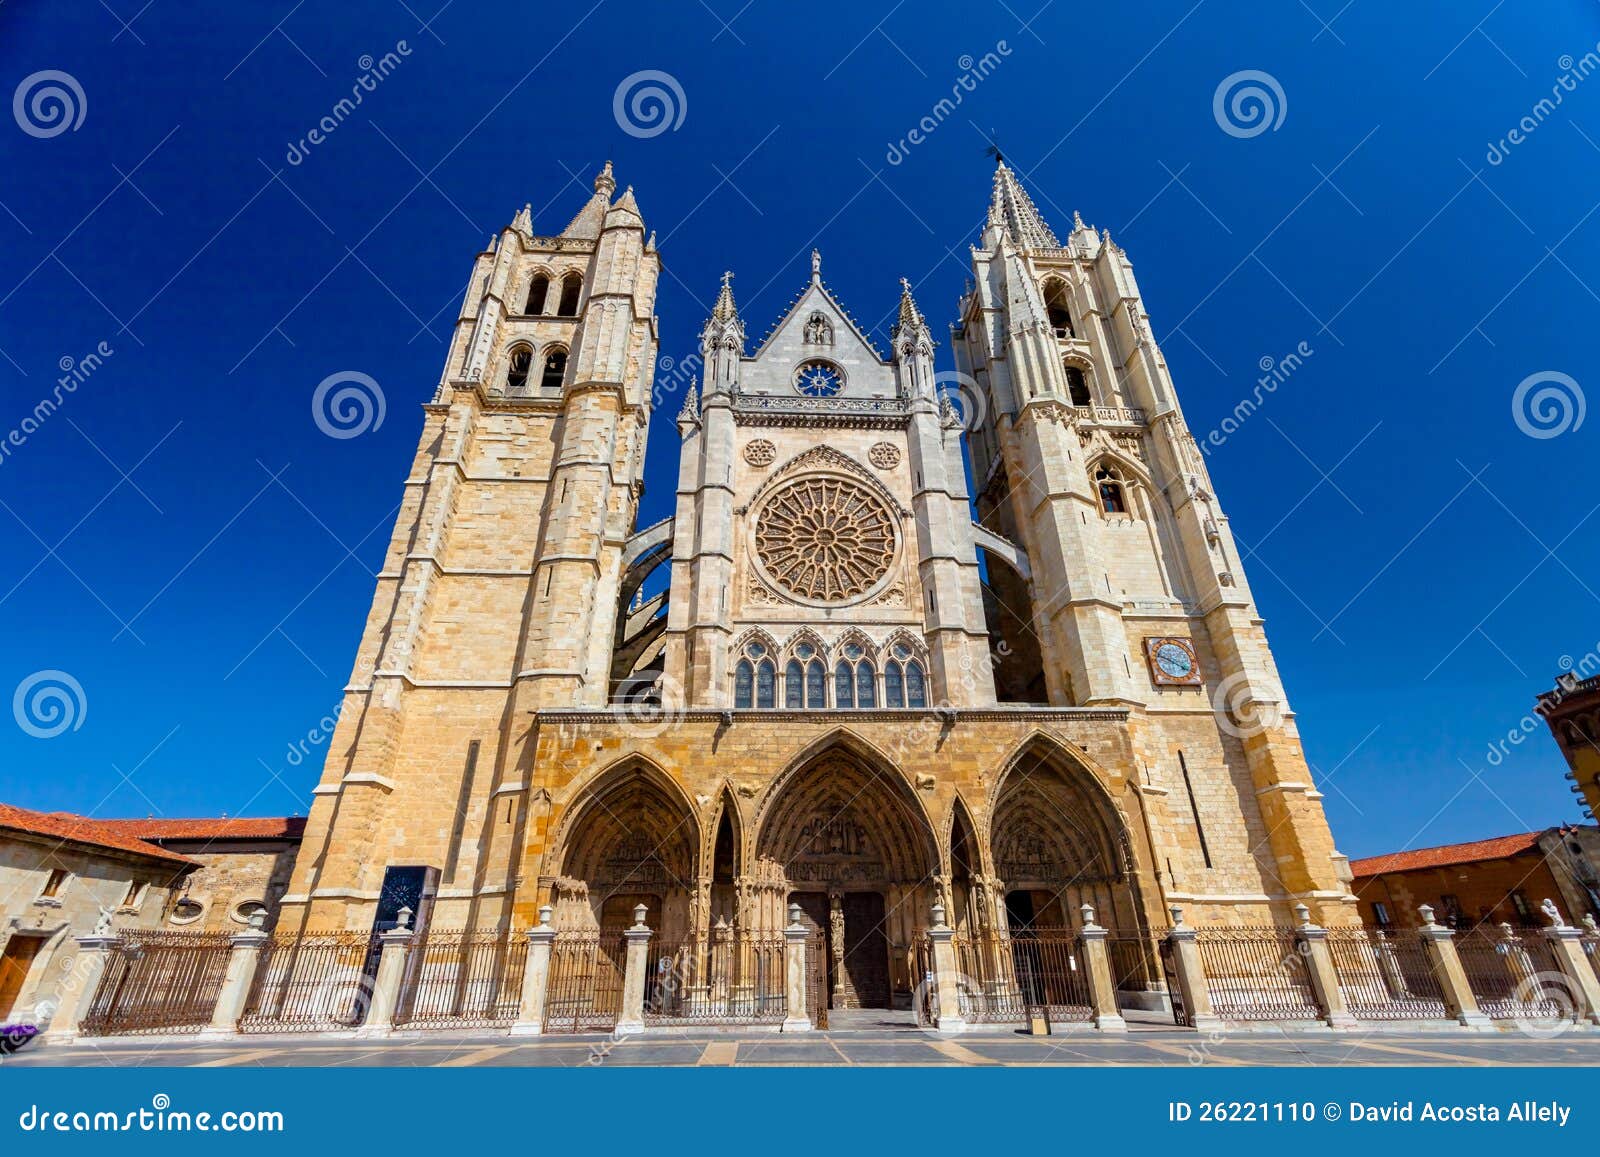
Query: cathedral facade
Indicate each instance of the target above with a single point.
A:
(976, 636)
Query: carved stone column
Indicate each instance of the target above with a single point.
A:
(535, 977)
(630, 1018)
(1459, 1001)
(946, 976)
(1102, 988)
(796, 1017)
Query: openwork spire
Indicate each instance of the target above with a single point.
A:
(910, 315)
(1013, 210)
(725, 309)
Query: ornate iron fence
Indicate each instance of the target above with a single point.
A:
(987, 986)
(1052, 974)
(159, 982)
(817, 995)
(318, 982)
(584, 992)
(1256, 974)
(1591, 949)
(1512, 976)
(734, 980)
(460, 979)
(1385, 975)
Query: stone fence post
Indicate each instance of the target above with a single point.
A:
(630, 1018)
(396, 945)
(535, 977)
(1184, 942)
(946, 976)
(796, 1018)
(1459, 1002)
(1097, 963)
(1566, 943)
(75, 993)
(237, 980)
(1312, 940)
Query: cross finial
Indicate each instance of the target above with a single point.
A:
(727, 279)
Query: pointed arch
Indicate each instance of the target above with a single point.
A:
(1057, 296)
(534, 304)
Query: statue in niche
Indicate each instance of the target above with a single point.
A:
(818, 331)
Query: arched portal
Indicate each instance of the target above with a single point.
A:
(1058, 843)
(845, 837)
(632, 840)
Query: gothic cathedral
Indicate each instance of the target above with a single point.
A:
(977, 638)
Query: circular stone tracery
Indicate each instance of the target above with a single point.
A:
(825, 539)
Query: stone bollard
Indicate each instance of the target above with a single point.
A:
(75, 993)
(946, 976)
(1459, 1002)
(243, 960)
(1566, 944)
(630, 1018)
(535, 977)
(395, 946)
(1097, 962)
(1313, 943)
(1191, 975)
(795, 1019)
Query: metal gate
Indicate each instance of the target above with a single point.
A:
(1257, 974)
(159, 982)
(585, 985)
(817, 995)
(313, 983)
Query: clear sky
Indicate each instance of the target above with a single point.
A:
(182, 539)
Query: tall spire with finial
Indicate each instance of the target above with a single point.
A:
(1013, 214)
(722, 341)
(725, 308)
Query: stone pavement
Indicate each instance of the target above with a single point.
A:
(867, 1047)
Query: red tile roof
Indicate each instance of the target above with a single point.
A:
(244, 828)
(83, 830)
(1498, 848)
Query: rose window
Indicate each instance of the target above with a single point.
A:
(825, 539)
(818, 379)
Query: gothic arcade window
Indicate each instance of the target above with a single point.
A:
(916, 686)
(517, 366)
(537, 292)
(1055, 307)
(866, 694)
(571, 290)
(755, 678)
(1113, 499)
(766, 677)
(793, 684)
(555, 371)
(904, 684)
(1078, 387)
(844, 685)
(894, 690)
(816, 684)
(744, 676)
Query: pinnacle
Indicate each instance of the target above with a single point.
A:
(725, 307)
(1012, 210)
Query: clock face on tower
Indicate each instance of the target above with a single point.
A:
(1172, 662)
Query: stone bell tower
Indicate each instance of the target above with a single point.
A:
(499, 593)
(1134, 594)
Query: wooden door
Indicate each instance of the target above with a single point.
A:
(14, 965)
(866, 951)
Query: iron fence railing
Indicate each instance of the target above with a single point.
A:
(1256, 974)
(732, 980)
(1052, 973)
(318, 982)
(462, 979)
(584, 992)
(159, 982)
(1512, 976)
(1385, 975)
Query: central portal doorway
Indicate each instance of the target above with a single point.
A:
(853, 969)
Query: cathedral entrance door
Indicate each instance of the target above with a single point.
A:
(865, 974)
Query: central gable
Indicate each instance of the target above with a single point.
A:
(817, 328)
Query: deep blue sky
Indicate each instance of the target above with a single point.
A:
(1422, 564)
